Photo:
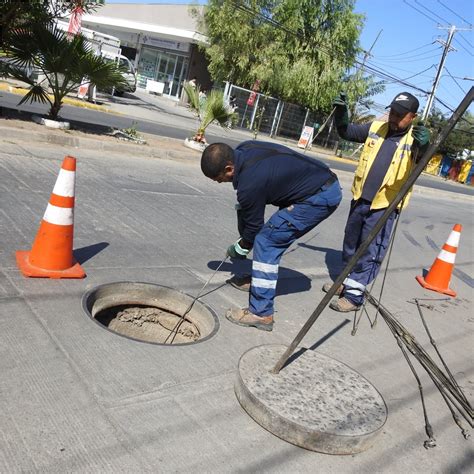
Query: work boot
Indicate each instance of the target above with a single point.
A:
(343, 305)
(242, 283)
(243, 317)
(327, 287)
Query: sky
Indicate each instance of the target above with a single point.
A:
(408, 48)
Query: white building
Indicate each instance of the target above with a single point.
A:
(160, 39)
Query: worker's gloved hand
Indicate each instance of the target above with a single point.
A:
(421, 135)
(341, 114)
(236, 251)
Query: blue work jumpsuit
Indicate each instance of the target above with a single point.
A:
(306, 192)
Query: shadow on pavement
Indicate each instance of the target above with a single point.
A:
(289, 281)
(86, 253)
(333, 259)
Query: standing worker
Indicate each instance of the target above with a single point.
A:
(305, 190)
(390, 151)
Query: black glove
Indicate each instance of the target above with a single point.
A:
(421, 135)
(341, 114)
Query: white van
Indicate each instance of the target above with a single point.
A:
(130, 75)
(108, 47)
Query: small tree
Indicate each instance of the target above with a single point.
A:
(212, 109)
(63, 60)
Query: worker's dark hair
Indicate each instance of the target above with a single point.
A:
(215, 158)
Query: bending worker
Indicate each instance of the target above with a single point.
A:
(305, 190)
(390, 151)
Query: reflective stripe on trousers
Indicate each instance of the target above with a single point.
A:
(278, 233)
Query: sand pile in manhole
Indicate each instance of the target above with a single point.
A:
(153, 325)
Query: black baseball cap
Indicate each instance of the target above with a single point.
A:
(404, 102)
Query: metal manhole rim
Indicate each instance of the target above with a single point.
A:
(179, 344)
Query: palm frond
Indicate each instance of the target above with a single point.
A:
(64, 60)
(193, 97)
(215, 110)
(36, 94)
(17, 73)
(101, 72)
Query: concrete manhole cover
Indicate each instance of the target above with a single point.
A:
(315, 402)
(150, 313)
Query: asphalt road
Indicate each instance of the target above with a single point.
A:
(96, 120)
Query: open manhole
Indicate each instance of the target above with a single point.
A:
(150, 313)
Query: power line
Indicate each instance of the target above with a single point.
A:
(419, 11)
(418, 73)
(457, 83)
(381, 65)
(463, 47)
(431, 11)
(408, 60)
(409, 51)
(467, 41)
(454, 13)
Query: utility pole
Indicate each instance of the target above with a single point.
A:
(447, 49)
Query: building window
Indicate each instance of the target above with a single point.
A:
(162, 66)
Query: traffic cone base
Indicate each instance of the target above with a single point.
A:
(445, 291)
(439, 275)
(23, 262)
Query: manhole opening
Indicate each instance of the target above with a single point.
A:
(149, 323)
(150, 313)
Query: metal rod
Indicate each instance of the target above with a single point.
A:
(363, 247)
(321, 128)
(436, 374)
(430, 442)
(433, 343)
(175, 330)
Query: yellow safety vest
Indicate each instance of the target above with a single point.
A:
(398, 172)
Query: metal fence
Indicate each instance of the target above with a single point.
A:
(274, 117)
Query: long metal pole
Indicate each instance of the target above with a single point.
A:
(363, 247)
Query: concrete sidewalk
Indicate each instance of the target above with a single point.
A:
(78, 398)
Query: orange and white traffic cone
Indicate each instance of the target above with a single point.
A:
(439, 276)
(51, 255)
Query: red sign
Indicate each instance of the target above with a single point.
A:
(253, 95)
(251, 99)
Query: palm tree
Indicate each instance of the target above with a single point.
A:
(212, 109)
(62, 59)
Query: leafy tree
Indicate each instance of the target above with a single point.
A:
(212, 109)
(63, 60)
(461, 137)
(300, 50)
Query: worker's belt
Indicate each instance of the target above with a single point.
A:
(327, 184)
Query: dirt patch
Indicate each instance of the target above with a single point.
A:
(148, 324)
